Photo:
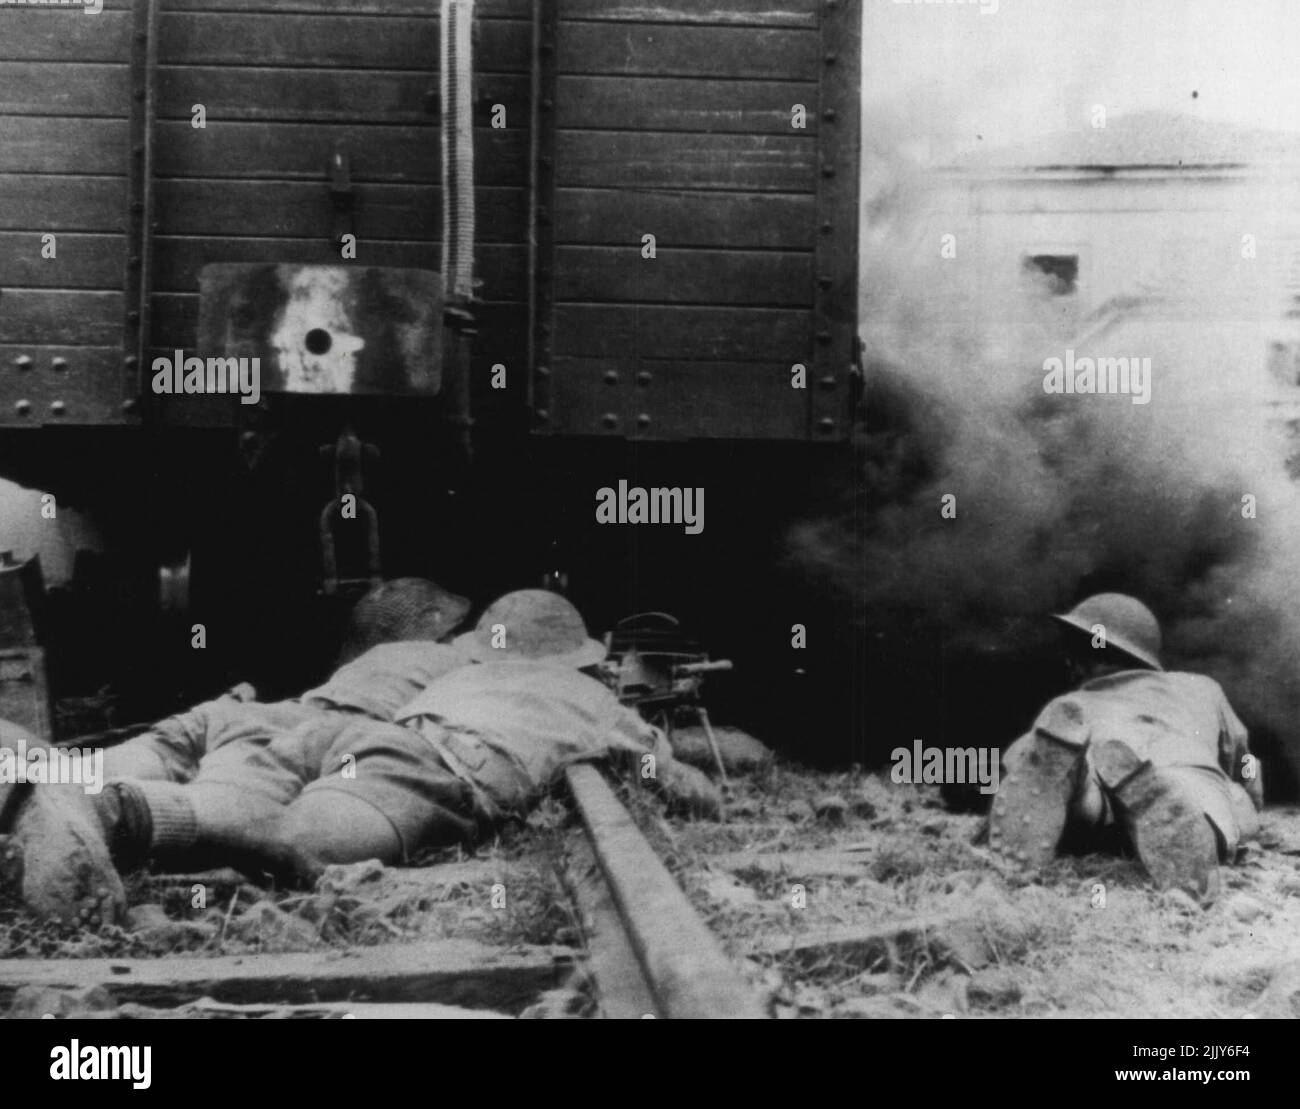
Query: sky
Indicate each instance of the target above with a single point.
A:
(944, 73)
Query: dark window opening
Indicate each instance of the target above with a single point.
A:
(1058, 272)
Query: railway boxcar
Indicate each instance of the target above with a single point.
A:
(638, 219)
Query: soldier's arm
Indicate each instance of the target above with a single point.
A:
(1235, 757)
(642, 750)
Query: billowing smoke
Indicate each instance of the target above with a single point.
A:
(1185, 501)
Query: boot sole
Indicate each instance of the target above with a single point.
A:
(1032, 804)
(1172, 836)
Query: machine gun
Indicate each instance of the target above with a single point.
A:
(654, 667)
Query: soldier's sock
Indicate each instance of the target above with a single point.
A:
(124, 815)
(171, 823)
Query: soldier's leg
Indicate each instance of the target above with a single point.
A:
(1041, 775)
(383, 792)
(1165, 811)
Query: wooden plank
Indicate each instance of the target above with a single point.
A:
(745, 13)
(46, 89)
(32, 36)
(622, 992)
(502, 269)
(455, 972)
(62, 203)
(743, 220)
(609, 159)
(80, 261)
(709, 334)
(483, 9)
(684, 104)
(85, 146)
(308, 95)
(659, 50)
(679, 400)
(681, 959)
(302, 210)
(886, 945)
(58, 317)
(289, 150)
(339, 39)
(679, 276)
(334, 1010)
(89, 389)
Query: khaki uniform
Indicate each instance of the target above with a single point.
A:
(510, 728)
(1182, 723)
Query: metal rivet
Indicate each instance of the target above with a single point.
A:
(22, 362)
(829, 115)
(824, 281)
(543, 371)
(132, 361)
(133, 317)
(59, 364)
(138, 150)
(643, 420)
(543, 414)
(130, 405)
(828, 171)
(823, 336)
(547, 102)
(58, 407)
(830, 58)
(829, 381)
(609, 419)
(23, 407)
(643, 378)
(610, 378)
(135, 261)
(826, 227)
(826, 424)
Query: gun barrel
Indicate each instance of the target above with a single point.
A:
(703, 667)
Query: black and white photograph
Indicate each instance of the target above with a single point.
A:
(610, 509)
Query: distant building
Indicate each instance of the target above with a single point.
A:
(1155, 219)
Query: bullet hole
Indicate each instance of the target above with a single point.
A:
(318, 341)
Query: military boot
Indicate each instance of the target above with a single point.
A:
(1040, 775)
(1165, 823)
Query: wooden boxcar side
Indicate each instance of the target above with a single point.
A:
(674, 120)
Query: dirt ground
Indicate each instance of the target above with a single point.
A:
(845, 895)
(852, 896)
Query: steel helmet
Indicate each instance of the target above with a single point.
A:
(404, 608)
(1129, 626)
(536, 624)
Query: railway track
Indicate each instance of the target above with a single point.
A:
(644, 952)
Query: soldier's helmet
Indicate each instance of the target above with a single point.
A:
(1129, 626)
(531, 624)
(404, 608)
